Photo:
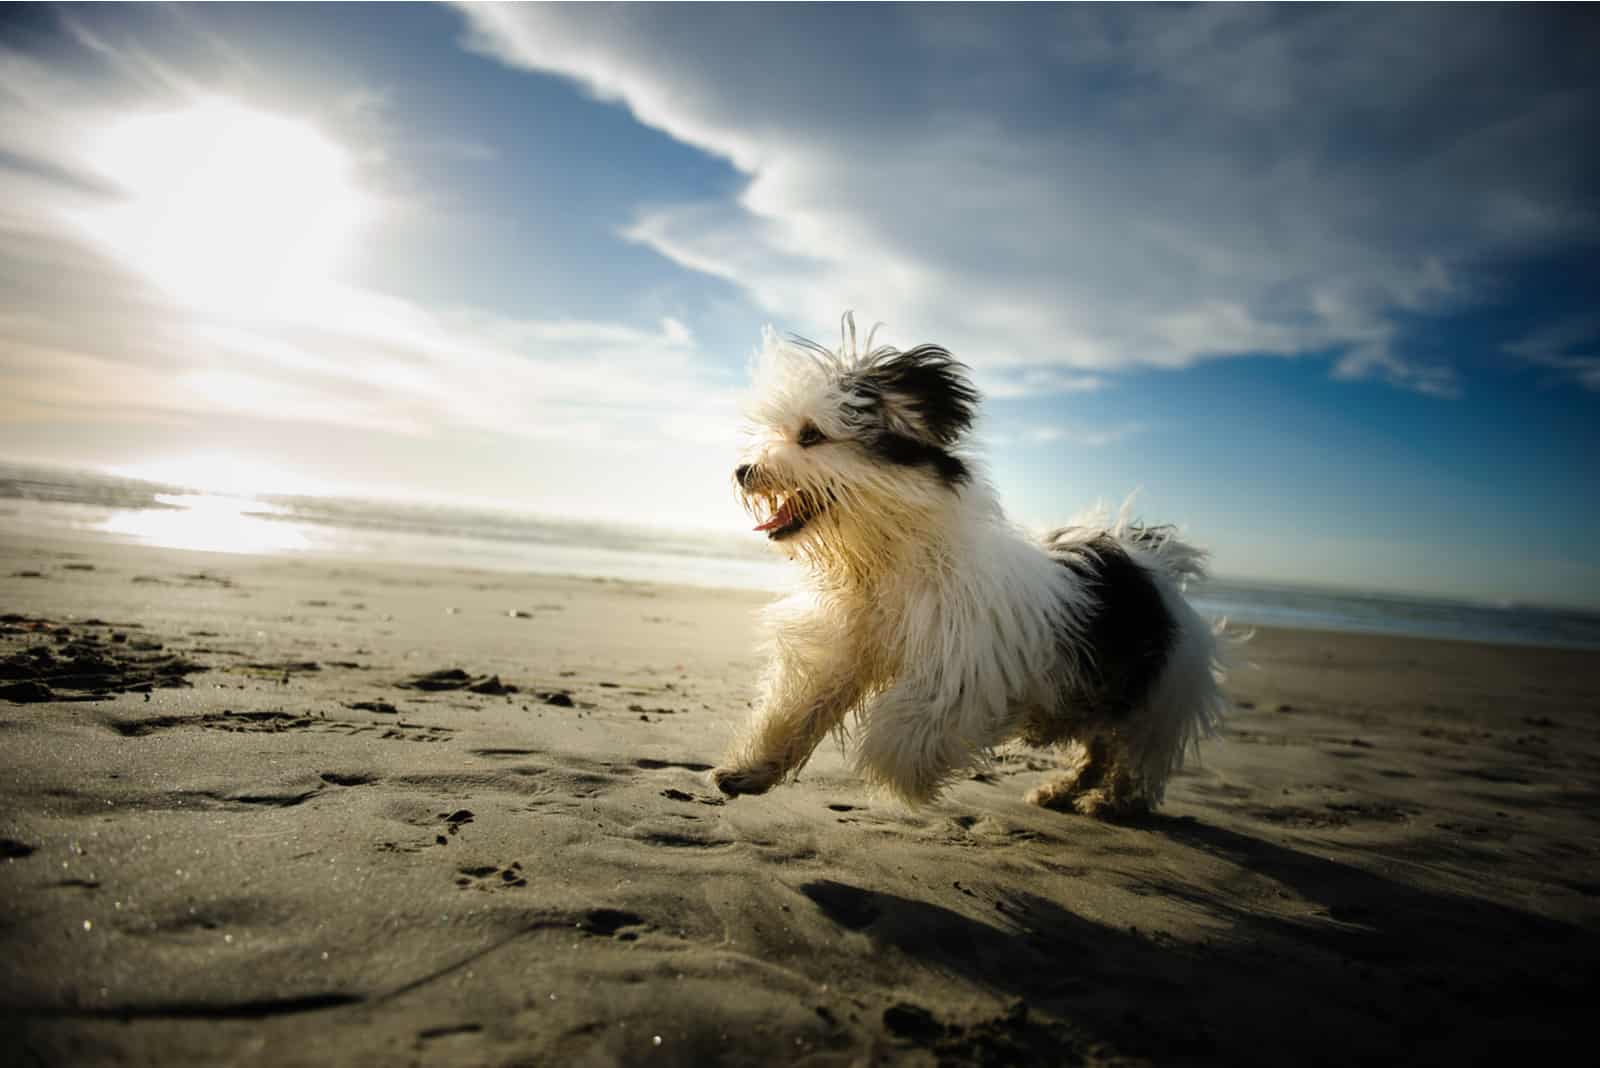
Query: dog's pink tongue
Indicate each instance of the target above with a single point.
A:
(779, 518)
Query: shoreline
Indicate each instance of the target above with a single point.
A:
(1388, 852)
(782, 575)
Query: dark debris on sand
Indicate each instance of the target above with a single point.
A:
(283, 667)
(456, 679)
(1010, 1038)
(11, 849)
(82, 664)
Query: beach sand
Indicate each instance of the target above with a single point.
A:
(273, 849)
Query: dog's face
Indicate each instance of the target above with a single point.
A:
(849, 448)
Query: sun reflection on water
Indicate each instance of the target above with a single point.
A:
(210, 523)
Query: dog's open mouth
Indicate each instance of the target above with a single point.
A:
(789, 515)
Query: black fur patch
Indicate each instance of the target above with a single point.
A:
(909, 452)
(1130, 634)
(930, 384)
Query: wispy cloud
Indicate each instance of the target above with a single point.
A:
(1571, 347)
(1075, 434)
(1094, 189)
(1012, 383)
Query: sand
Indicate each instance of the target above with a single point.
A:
(273, 848)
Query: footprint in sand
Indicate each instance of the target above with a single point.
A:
(272, 722)
(608, 923)
(448, 680)
(428, 1034)
(1231, 791)
(693, 799)
(490, 877)
(452, 821)
(677, 836)
(1333, 815)
(650, 764)
(1380, 811)
(348, 778)
(1296, 816)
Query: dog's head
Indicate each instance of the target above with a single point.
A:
(852, 447)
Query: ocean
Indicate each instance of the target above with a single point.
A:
(80, 505)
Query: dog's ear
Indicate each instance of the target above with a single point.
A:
(925, 394)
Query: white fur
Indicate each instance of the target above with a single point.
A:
(931, 629)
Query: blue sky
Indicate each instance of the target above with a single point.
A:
(1317, 281)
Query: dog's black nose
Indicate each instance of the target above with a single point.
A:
(741, 473)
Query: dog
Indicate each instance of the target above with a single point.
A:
(931, 629)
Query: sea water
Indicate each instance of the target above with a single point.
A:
(97, 507)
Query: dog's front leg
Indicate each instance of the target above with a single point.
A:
(919, 734)
(802, 704)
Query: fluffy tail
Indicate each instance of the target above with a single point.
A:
(1186, 704)
(1162, 550)
(1156, 547)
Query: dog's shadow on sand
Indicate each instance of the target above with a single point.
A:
(1342, 965)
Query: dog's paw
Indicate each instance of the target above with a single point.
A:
(1095, 803)
(736, 781)
(1098, 803)
(1058, 796)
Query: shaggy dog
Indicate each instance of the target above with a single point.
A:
(935, 625)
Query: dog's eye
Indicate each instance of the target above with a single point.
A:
(810, 435)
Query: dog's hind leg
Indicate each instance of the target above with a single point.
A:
(1083, 773)
(1098, 783)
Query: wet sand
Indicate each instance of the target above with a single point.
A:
(267, 812)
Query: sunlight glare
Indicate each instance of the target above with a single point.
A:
(230, 210)
(221, 473)
(208, 524)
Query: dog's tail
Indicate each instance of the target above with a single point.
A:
(1186, 703)
(1156, 547)
(1162, 550)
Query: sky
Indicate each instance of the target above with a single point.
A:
(1319, 283)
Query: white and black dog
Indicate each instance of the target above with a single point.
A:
(930, 620)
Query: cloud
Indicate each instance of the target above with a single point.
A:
(1571, 346)
(1009, 384)
(1077, 435)
(353, 359)
(90, 332)
(1085, 436)
(1378, 359)
(1090, 189)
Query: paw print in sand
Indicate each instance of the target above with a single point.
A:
(491, 877)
